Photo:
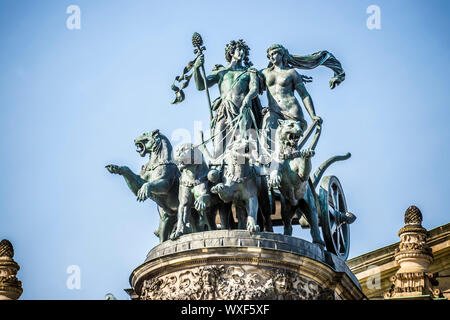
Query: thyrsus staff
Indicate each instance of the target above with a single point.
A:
(197, 42)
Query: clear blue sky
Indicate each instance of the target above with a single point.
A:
(72, 101)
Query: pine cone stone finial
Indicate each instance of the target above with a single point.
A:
(6, 249)
(413, 216)
(10, 286)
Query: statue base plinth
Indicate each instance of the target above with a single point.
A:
(239, 265)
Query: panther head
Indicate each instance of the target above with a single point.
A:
(148, 143)
(289, 132)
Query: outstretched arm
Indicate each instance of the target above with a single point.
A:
(199, 82)
(304, 95)
(133, 180)
(253, 87)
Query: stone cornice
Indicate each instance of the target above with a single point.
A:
(386, 254)
(402, 268)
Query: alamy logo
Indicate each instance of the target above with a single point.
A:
(373, 282)
(374, 20)
(74, 280)
(73, 22)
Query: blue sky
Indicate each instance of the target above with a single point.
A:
(72, 101)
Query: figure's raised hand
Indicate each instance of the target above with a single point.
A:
(307, 153)
(112, 168)
(246, 103)
(144, 192)
(199, 61)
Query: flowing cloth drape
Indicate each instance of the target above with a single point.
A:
(319, 58)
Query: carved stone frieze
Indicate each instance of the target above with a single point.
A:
(233, 283)
(241, 265)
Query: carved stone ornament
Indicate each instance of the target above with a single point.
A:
(414, 257)
(241, 265)
(233, 283)
(10, 286)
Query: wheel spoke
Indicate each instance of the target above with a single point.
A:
(332, 215)
(336, 199)
(341, 238)
(333, 198)
(334, 219)
(333, 237)
(332, 227)
(330, 200)
(338, 243)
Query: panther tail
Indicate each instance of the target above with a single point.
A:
(324, 166)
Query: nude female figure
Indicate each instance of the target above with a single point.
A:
(282, 81)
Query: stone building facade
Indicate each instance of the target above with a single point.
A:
(416, 267)
(237, 265)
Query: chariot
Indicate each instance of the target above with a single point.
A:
(332, 211)
(329, 206)
(269, 189)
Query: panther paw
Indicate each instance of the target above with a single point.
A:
(217, 188)
(112, 168)
(252, 226)
(176, 235)
(199, 205)
(144, 192)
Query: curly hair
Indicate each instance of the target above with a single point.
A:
(231, 47)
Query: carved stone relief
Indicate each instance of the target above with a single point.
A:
(233, 283)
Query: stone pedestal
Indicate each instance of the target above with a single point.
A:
(239, 265)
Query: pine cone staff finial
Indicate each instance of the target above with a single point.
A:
(197, 42)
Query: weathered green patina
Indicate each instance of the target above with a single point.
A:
(194, 192)
(245, 187)
(239, 86)
(282, 81)
(258, 163)
(158, 179)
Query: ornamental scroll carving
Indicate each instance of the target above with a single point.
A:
(233, 283)
(413, 242)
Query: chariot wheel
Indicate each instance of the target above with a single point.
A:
(335, 218)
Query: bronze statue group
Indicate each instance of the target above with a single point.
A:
(258, 156)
